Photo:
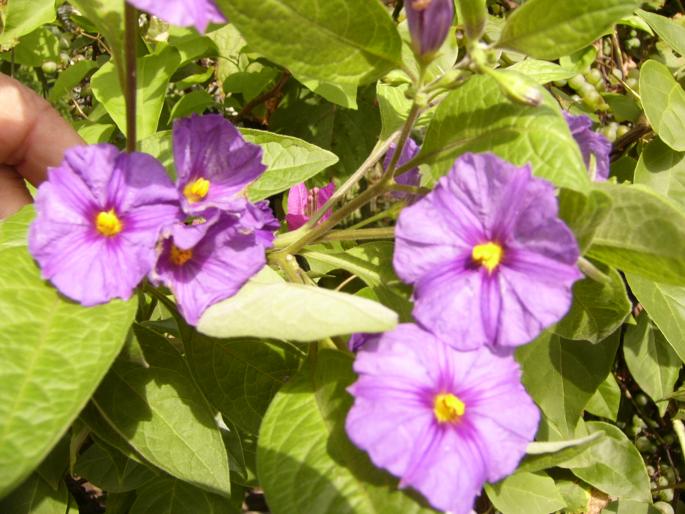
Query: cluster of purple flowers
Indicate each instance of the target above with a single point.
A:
(440, 403)
(107, 219)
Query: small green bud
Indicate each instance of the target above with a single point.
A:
(666, 495)
(643, 444)
(640, 399)
(517, 88)
(577, 82)
(594, 76)
(473, 14)
(396, 78)
(49, 67)
(622, 131)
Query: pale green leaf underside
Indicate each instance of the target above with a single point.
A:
(664, 102)
(525, 493)
(22, 17)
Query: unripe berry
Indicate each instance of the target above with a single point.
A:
(577, 82)
(622, 131)
(49, 67)
(643, 444)
(664, 508)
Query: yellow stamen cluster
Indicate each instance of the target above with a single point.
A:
(196, 190)
(180, 257)
(489, 255)
(108, 223)
(448, 408)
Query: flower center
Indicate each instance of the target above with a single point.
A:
(196, 190)
(108, 223)
(489, 255)
(448, 408)
(180, 257)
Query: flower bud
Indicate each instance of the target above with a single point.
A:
(517, 87)
(472, 15)
(429, 23)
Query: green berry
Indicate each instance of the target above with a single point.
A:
(640, 399)
(49, 67)
(560, 83)
(622, 130)
(643, 444)
(594, 76)
(662, 482)
(577, 82)
(650, 470)
(666, 495)
(664, 508)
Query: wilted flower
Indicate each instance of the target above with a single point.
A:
(208, 262)
(99, 216)
(491, 262)
(591, 144)
(198, 13)
(429, 23)
(303, 202)
(442, 420)
(214, 164)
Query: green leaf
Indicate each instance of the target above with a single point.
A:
(665, 304)
(606, 400)
(154, 72)
(110, 470)
(477, 117)
(305, 461)
(35, 496)
(53, 353)
(664, 102)
(650, 359)
(542, 72)
(550, 454)
(164, 416)
(38, 47)
(642, 234)
(94, 133)
(159, 145)
(279, 310)
(108, 18)
(663, 170)
(344, 95)
(289, 161)
(613, 465)
(598, 308)
(630, 507)
(195, 102)
(20, 17)
(240, 377)
(175, 497)
(70, 78)
(338, 41)
(671, 32)
(561, 376)
(548, 29)
(583, 213)
(525, 493)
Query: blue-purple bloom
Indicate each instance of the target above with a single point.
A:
(490, 260)
(408, 178)
(185, 13)
(442, 420)
(214, 164)
(591, 144)
(99, 216)
(429, 23)
(303, 203)
(360, 339)
(207, 262)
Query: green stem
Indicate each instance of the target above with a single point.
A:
(360, 234)
(391, 212)
(130, 91)
(404, 136)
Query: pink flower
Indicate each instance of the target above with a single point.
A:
(303, 202)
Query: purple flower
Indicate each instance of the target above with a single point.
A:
(408, 178)
(185, 13)
(491, 262)
(442, 420)
(429, 23)
(590, 144)
(99, 216)
(303, 202)
(214, 163)
(362, 340)
(205, 263)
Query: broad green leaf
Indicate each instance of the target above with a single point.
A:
(53, 354)
(154, 72)
(36, 48)
(164, 416)
(671, 32)
(664, 102)
(525, 493)
(108, 18)
(305, 461)
(543, 72)
(665, 305)
(642, 234)
(240, 377)
(549, 454)
(394, 107)
(478, 117)
(583, 213)
(55, 465)
(289, 161)
(110, 470)
(650, 359)
(548, 29)
(561, 376)
(613, 465)
(338, 41)
(159, 145)
(344, 95)
(20, 17)
(576, 494)
(94, 133)
(663, 170)
(630, 507)
(598, 308)
(279, 310)
(195, 102)
(35, 496)
(606, 400)
(175, 497)
(70, 78)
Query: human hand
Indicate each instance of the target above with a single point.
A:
(33, 136)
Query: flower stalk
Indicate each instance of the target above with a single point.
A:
(130, 88)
